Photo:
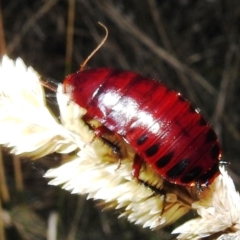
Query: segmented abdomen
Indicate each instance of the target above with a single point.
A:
(164, 129)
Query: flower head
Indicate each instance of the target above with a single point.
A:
(218, 209)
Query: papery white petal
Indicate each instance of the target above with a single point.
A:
(219, 210)
(26, 124)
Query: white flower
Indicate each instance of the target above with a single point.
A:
(219, 210)
(26, 125)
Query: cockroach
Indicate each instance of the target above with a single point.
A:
(164, 129)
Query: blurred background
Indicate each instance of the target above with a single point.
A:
(192, 46)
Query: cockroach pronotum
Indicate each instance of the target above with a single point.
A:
(162, 126)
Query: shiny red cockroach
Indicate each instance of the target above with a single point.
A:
(163, 127)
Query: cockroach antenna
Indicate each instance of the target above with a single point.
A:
(82, 66)
(50, 84)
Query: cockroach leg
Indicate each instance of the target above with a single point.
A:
(136, 167)
(101, 130)
(119, 163)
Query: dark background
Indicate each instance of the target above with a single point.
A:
(192, 46)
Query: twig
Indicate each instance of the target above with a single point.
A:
(226, 79)
(105, 223)
(156, 15)
(76, 219)
(234, 75)
(2, 233)
(26, 26)
(232, 128)
(2, 38)
(52, 226)
(70, 32)
(3, 184)
(18, 173)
